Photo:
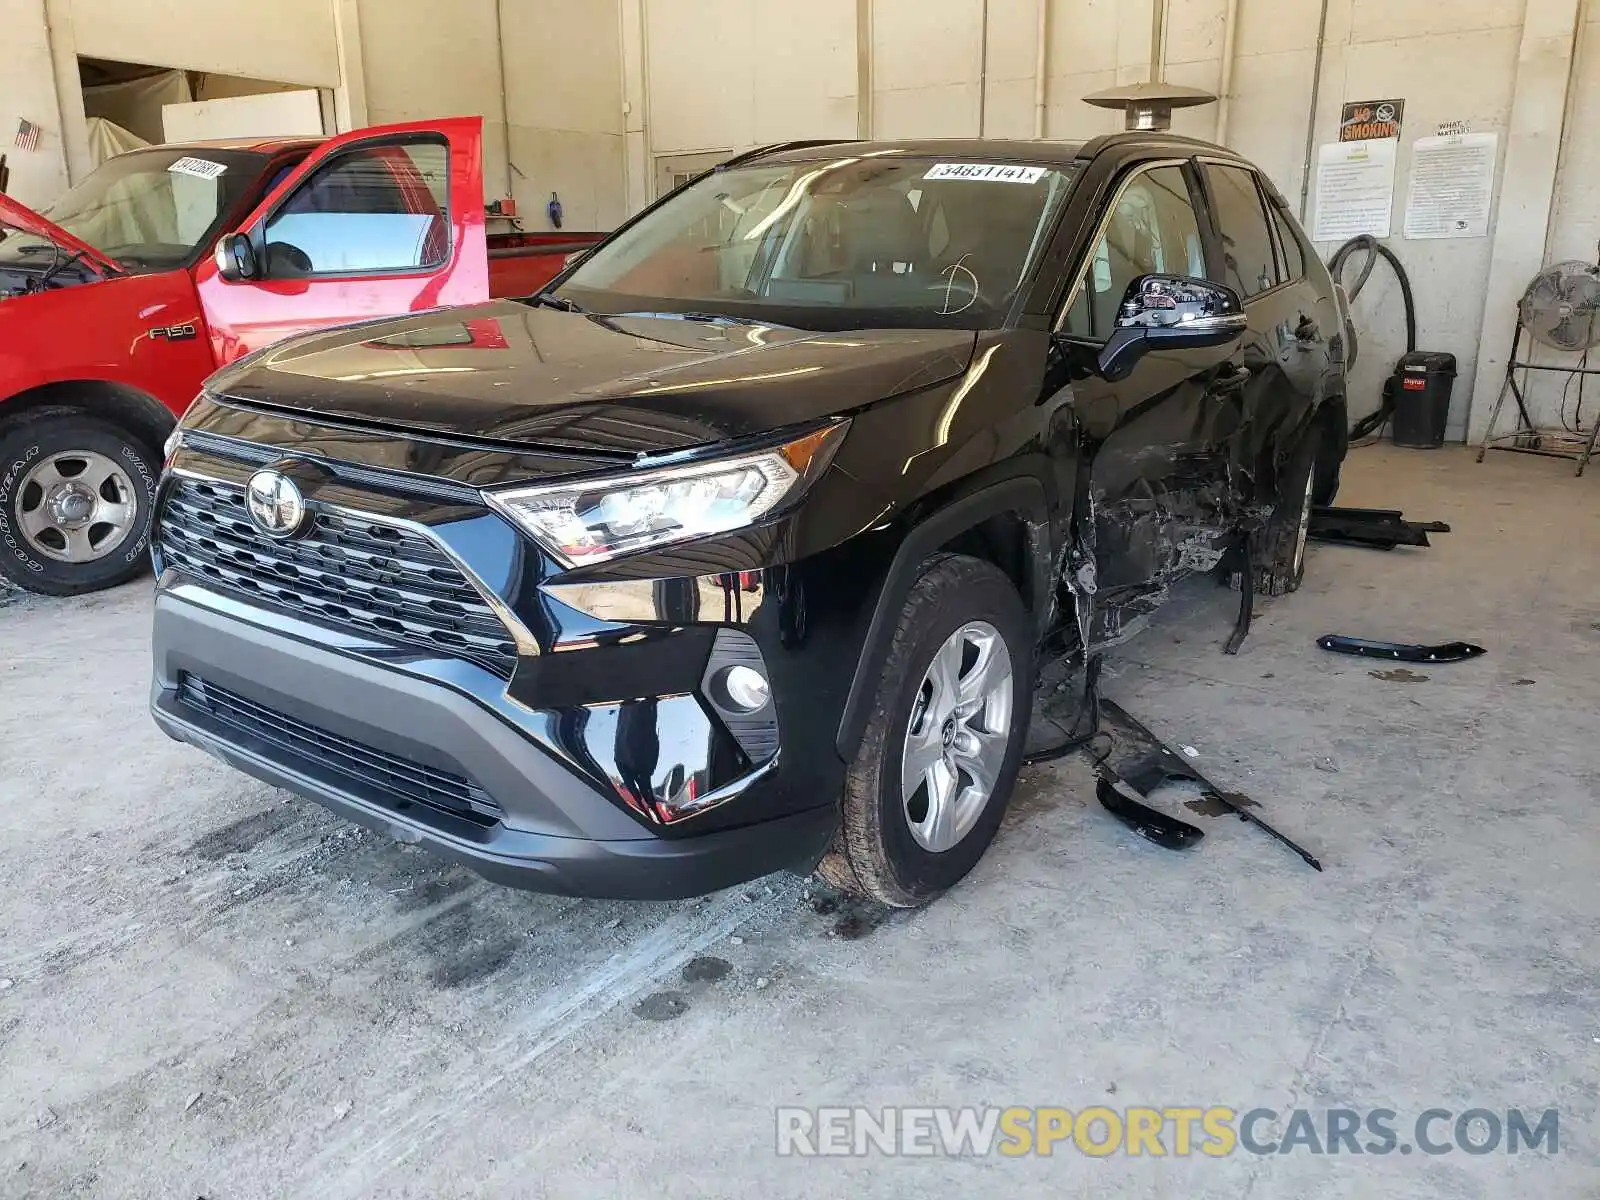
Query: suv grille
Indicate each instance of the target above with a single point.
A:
(363, 575)
(401, 781)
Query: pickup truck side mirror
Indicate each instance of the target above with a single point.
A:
(1170, 312)
(236, 258)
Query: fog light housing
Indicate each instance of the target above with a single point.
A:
(738, 690)
(746, 688)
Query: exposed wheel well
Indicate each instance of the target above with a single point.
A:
(1001, 540)
(140, 414)
(1334, 422)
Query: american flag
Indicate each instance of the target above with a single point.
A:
(27, 136)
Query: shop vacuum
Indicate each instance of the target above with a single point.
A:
(1416, 397)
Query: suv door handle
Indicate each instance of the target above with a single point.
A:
(1232, 380)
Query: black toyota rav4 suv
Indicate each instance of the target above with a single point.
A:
(741, 547)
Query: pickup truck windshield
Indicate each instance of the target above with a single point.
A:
(149, 210)
(859, 241)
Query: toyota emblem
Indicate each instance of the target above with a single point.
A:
(275, 503)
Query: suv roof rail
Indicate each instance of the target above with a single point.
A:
(776, 147)
(1105, 141)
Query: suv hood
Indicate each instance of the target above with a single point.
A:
(609, 385)
(24, 218)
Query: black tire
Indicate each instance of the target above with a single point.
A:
(874, 854)
(1280, 545)
(122, 555)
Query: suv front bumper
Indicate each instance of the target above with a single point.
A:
(435, 753)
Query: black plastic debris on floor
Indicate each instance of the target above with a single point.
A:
(1373, 528)
(1132, 762)
(1411, 652)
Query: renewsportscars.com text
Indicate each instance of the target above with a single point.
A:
(1177, 1131)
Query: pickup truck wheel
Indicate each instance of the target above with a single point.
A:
(76, 498)
(943, 744)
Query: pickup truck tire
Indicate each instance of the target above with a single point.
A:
(951, 712)
(76, 497)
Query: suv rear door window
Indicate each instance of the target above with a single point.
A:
(1294, 258)
(1248, 262)
(1153, 230)
(376, 208)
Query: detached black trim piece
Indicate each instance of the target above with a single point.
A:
(1444, 652)
(1142, 762)
(1166, 832)
(1374, 528)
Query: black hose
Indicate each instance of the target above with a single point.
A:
(1375, 249)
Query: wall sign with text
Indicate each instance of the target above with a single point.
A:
(1368, 120)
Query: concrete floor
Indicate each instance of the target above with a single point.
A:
(208, 989)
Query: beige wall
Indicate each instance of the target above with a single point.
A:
(417, 66)
(28, 91)
(290, 40)
(734, 73)
(562, 93)
(1575, 220)
(1449, 62)
(1576, 229)
(564, 97)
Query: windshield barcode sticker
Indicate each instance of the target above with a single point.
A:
(988, 172)
(200, 168)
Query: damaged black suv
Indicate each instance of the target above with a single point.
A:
(742, 546)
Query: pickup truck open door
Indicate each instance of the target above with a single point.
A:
(381, 221)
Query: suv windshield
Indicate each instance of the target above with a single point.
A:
(148, 210)
(855, 242)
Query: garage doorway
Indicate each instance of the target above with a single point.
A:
(128, 105)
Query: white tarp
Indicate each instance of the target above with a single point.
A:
(136, 104)
(107, 139)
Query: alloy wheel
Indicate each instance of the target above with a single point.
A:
(76, 506)
(1303, 533)
(957, 737)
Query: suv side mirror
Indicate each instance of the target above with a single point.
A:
(1170, 312)
(236, 258)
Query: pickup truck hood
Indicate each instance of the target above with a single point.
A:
(24, 218)
(622, 386)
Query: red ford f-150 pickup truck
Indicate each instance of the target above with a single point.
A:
(166, 263)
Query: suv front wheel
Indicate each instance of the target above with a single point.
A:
(939, 758)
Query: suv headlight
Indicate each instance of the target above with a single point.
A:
(594, 520)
